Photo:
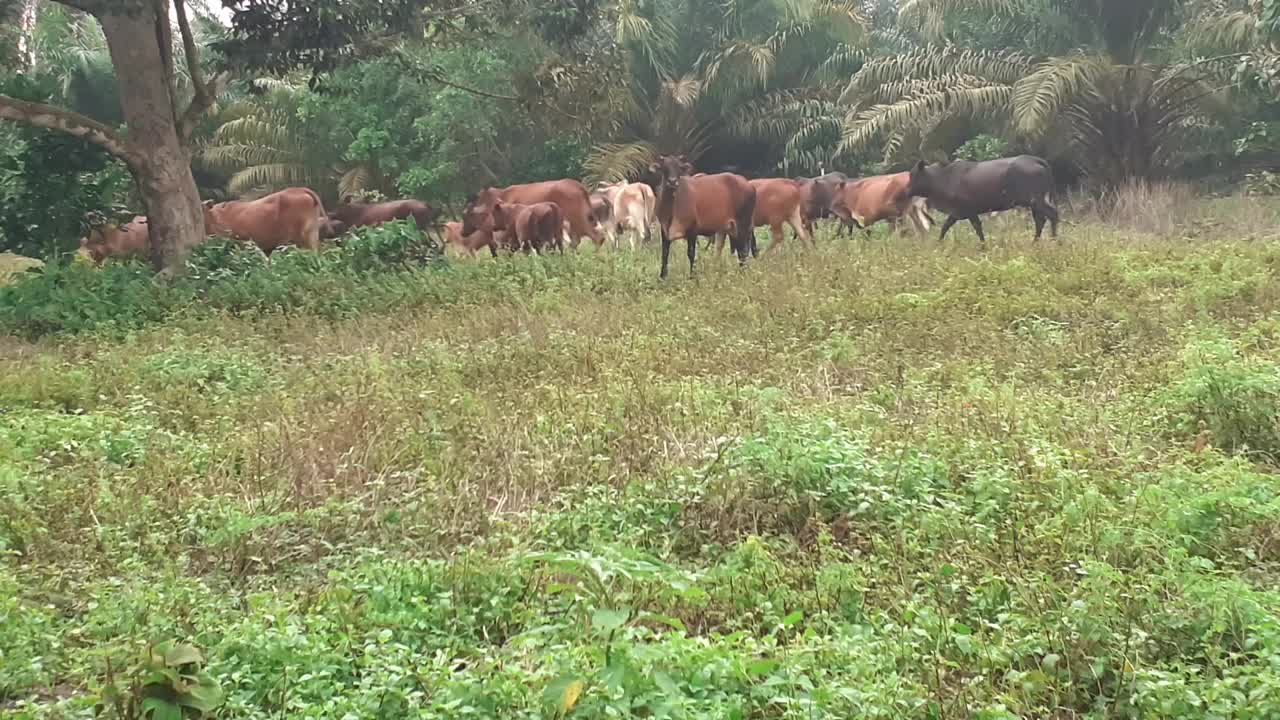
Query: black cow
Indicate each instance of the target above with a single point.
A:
(966, 190)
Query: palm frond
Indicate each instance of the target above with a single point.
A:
(936, 61)
(257, 130)
(232, 158)
(1054, 83)
(1227, 31)
(929, 16)
(981, 102)
(276, 176)
(614, 162)
(358, 178)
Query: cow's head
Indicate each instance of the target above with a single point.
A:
(669, 169)
(824, 192)
(924, 179)
(212, 219)
(479, 209)
(93, 247)
(501, 215)
(332, 228)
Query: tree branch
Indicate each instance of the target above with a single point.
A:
(204, 96)
(201, 104)
(74, 124)
(437, 76)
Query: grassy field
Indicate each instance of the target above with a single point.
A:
(884, 479)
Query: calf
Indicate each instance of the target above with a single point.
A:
(530, 227)
(569, 195)
(633, 209)
(705, 205)
(484, 236)
(294, 216)
(602, 213)
(865, 202)
(130, 239)
(779, 201)
(966, 190)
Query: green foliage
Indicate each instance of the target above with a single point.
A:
(1237, 400)
(168, 682)
(69, 298)
(983, 147)
(49, 182)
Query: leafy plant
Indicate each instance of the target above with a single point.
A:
(167, 682)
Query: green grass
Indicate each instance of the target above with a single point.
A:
(878, 480)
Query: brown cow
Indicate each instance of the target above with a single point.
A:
(633, 209)
(484, 236)
(531, 228)
(704, 205)
(867, 201)
(569, 195)
(107, 241)
(293, 216)
(354, 215)
(779, 201)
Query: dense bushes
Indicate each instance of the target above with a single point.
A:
(73, 297)
(49, 181)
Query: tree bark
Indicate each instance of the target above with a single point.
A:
(26, 33)
(162, 164)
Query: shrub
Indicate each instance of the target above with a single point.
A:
(983, 147)
(1235, 398)
(366, 269)
(75, 297)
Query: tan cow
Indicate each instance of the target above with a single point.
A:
(132, 239)
(634, 210)
(870, 200)
(293, 216)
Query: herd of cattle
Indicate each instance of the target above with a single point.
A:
(684, 204)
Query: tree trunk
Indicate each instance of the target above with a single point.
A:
(162, 165)
(26, 34)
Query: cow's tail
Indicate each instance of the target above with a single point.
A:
(312, 226)
(920, 214)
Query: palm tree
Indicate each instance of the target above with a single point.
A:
(711, 80)
(1117, 97)
(261, 145)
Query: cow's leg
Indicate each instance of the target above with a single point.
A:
(1049, 211)
(977, 227)
(1040, 220)
(776, 238)
(666, 252)
(946, 226)
(720, 238)
(692, 241)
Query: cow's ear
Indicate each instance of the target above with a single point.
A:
(653, 167)
(208, 204)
